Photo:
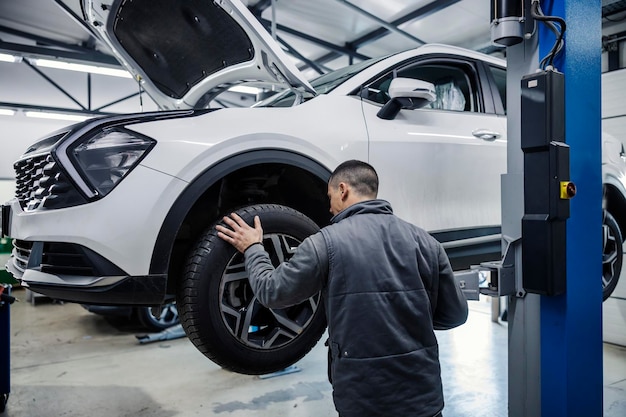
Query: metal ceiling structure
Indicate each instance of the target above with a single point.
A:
(55, 28)
(319, 35)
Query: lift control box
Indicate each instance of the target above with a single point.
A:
(547, 186)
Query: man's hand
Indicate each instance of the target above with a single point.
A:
(240, 235)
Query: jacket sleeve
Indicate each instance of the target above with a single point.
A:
(292, 281)
(451, 309)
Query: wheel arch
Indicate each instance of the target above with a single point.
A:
(614, 201)
(301, 185)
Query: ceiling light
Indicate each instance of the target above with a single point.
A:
(56, 116)
(245, 89)
(47, 63)
(7, 112)
(9, 58)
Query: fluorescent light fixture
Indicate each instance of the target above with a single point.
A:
(245, 89)
(7, 112)
(48, 63)
(9, 58)
(56, 116)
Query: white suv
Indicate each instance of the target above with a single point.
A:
(121, 209)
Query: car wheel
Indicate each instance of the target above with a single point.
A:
(612, 254)
(221, 315)
(167, 319)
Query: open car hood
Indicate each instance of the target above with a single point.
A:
(184, 52)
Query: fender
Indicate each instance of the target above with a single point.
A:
(613, 200)
(161, 254)
(612, 180)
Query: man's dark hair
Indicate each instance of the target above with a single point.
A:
(361, 176)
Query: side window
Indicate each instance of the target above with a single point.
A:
(453, 85)
(499, 77)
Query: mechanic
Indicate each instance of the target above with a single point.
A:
(387, 285)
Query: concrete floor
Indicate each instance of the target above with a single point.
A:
(68, 362)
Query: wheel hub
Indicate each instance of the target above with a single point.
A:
(246, 318)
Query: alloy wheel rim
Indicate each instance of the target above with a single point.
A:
(247, 320)
(609, 255)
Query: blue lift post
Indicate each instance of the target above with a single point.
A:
(555, 342)
(571, 324)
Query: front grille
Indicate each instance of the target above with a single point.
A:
(21, 253)
(65, 259)
(42, 184)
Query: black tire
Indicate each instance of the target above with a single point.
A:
(167, 319)
(612, 254)
(221, 315)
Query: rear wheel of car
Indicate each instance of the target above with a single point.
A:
(222, 316)
(612, 254)
(167, 318)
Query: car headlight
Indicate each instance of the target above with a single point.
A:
(106, 158)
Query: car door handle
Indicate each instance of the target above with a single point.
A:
(486, 134)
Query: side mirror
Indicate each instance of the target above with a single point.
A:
(407, 93)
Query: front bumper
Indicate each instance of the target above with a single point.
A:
(99, 252)
(73, 273)
(124, 290)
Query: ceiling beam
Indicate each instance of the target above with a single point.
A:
(119, 100)
(46, 47)
(381, 32)
(301, 57)
(21, 106)
(390, 27)
(324, 44)
(87, 56)
(56, 85)
(79, 20)
(420, 13)
(40, 40)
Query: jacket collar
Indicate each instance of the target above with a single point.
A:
(364, 207)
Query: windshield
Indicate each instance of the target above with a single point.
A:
(322, 85)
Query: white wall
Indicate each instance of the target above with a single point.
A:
(17, 133)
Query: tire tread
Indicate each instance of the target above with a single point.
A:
(189, 309)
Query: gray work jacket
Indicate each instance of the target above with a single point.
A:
(387, 285)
